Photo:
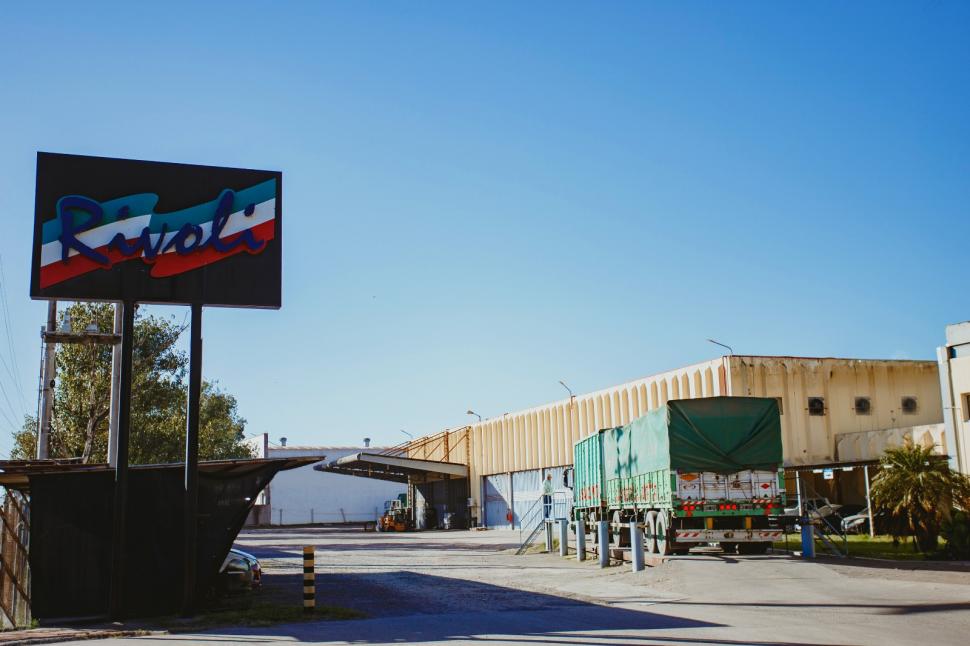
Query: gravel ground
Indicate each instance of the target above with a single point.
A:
(468, 587)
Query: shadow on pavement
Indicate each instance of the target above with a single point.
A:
(405, 606)
(886, 609)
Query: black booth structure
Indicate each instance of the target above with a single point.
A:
(70, 530)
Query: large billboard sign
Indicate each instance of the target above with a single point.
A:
(137, 231)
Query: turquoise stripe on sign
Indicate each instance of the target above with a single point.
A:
(144, 203)
(138, 204)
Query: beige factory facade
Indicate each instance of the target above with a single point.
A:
(833, 411)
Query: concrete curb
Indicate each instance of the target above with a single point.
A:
(47, 636)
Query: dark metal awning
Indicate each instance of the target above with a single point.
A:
(16, 473)
(393, 467)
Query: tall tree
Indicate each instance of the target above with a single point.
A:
(82, 398)
(919, 491)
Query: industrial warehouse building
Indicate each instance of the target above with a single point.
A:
(836, 414)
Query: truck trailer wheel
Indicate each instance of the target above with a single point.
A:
(650, 532)
(663, 545)
(618, 537)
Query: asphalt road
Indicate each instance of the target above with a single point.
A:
(466, 587)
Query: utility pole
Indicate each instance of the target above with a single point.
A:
(115, 405)
(47, 392)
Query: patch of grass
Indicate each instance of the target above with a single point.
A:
(862, 545)
(256, 615)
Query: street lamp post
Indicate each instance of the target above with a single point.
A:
(723, 345)
(569, 390)
(471, 412)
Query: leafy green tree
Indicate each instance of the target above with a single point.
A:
(918, 491)
(79, 426)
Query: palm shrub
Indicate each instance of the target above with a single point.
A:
(917, 490)
(956, 533)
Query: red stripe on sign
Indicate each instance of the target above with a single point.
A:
(171, 264)
(168, 264)
(78, 265)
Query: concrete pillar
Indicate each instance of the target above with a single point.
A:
(636, 545)
(603, 542)
(580, 540)
(563, 537)
(548, 525)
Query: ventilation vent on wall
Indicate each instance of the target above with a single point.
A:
(863, 405)
(816, 406)
(909, 405)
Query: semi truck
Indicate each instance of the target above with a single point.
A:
(692, 472)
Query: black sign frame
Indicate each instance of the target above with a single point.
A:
(241, 266)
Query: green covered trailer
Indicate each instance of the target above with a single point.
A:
(692, 471)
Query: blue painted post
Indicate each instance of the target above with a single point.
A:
(808, 540)
(563, 537)
(603, 542)
(636, 545)
(580, 540)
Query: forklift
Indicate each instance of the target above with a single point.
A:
(397, 515)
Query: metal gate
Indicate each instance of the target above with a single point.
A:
(526, 489)
(498, 501)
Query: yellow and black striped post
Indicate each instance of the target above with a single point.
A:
(309, 583)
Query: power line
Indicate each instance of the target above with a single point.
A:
(13, 426)
(13, 411)
(10, 344)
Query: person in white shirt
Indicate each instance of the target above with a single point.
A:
(547, 490)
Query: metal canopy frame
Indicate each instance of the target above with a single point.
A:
(393, 468)
(15, 474)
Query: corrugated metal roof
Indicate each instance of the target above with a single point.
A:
(16, 473)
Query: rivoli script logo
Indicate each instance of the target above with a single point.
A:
(88, 236)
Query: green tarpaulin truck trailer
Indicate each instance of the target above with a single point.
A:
(693, 471)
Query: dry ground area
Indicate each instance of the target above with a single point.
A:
(467, 587)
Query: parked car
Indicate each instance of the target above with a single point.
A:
(815, 508)
(240, 572)
(859, 523)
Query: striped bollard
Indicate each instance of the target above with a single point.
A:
(309, 582)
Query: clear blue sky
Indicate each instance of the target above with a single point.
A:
(480, 201)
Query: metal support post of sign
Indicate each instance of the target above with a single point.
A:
(636, 545)
(115, 401)
(580, 540)
(47, 387)
(603, 542)
(563, 537)
(118, 529)
(192, 462)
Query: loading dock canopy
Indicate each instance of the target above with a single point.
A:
(394, 468)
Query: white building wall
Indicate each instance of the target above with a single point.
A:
(304, 495)
(954, 359)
